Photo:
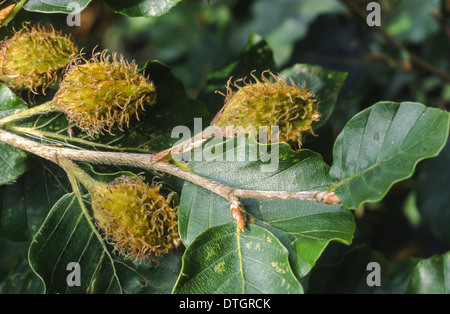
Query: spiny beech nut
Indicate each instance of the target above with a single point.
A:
(265, 104)
(102, 92)
(136, 217)
(34, 57)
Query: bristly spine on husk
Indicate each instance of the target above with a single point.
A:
(35, 57)
(104, 91)
(135, 217)
(291, 108)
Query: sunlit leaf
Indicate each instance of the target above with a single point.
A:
(145, 8)
(382, 145)
(226, 260)
(56, 6)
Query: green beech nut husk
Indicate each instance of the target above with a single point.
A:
(35, 57)
(265, 104)
(134, 215)
(99, 93)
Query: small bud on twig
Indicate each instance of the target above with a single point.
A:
(238, 214)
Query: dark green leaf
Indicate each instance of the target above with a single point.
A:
(226, 260)
(66, 237)
(382, 145)
(22, 281)
(25, 204)
(144, 278)
(145, 8)
(13, 161)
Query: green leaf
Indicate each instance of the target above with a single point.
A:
(382, 145)
(144, 8)
(25, 204)
(67, 236)
(56, 6)
(431, 276)
(13, 161)
(303, 251)
(325, 84)
(142, 278)
(305, 227)
(226, 260)
(433, 198)
(9, 102)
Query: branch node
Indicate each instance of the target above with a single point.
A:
(238, 214)
(329, 198)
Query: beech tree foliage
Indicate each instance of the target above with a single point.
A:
(224, 146)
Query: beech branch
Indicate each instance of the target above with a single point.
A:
(146, 161)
